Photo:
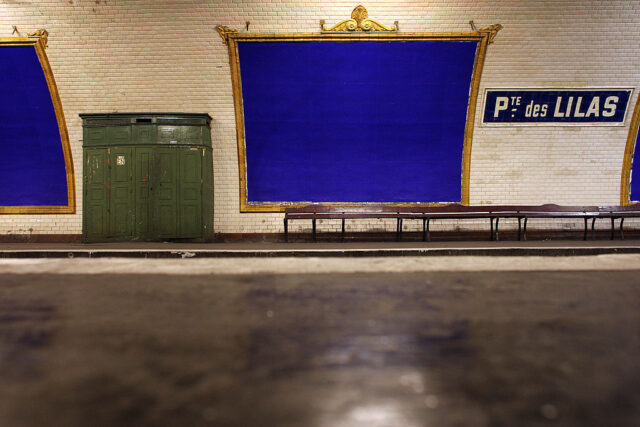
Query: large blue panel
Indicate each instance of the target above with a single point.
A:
(355, 122)
(32, 168)
(634, 195)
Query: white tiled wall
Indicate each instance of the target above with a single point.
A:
(145, 55)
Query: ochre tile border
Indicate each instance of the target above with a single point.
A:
(70, 208)
(484, 37)
(627, 161)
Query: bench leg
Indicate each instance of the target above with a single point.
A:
(593, 228)
(519, 228)
(613, 222)
(586, 221)
(424, 229)
(313, 223)
(428, 229)
(399, 230)
(286, 230)
(621, 232)
(491, 235)
(343, 229)
(525, 228)
(497, 228)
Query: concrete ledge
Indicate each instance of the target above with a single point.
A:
(552, 251)
(506, 234)
(40, 238)
(317, 265)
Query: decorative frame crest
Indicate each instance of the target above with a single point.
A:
(359, 22)
(345, 31)
(38, 39)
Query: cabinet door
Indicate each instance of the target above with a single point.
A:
(207, 194)
(190, 192)
(143, 168)
(166, 189)
(121, 206)
(95, 203)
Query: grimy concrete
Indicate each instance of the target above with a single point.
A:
(421, 341)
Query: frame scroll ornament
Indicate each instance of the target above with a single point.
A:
(224, 32)
(41, 34)
(357, 29)
(39, 40)
(491, 31)
(359, 21)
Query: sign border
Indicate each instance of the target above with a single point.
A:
(548, 89)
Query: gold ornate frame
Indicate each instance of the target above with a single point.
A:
(38, 40)
(357, 29)
(627, 162)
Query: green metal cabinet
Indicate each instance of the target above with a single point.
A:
(147, 177)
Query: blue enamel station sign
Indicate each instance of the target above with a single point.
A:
(608, 106)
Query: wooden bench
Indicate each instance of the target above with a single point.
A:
(493, 213)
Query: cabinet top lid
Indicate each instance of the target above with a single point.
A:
(146, 115)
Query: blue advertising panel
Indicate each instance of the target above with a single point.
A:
(32, 164)
(602, 106)
(356, 121)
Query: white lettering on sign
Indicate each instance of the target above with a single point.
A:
(569, 106)
(566, 106)
(610, 106)
(502, 103)
(577, 112)
(594, 107)
(556, 112)
(536, 110)
(608, 109)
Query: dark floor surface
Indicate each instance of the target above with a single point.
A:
(436, 349)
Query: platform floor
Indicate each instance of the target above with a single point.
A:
(321, 341)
